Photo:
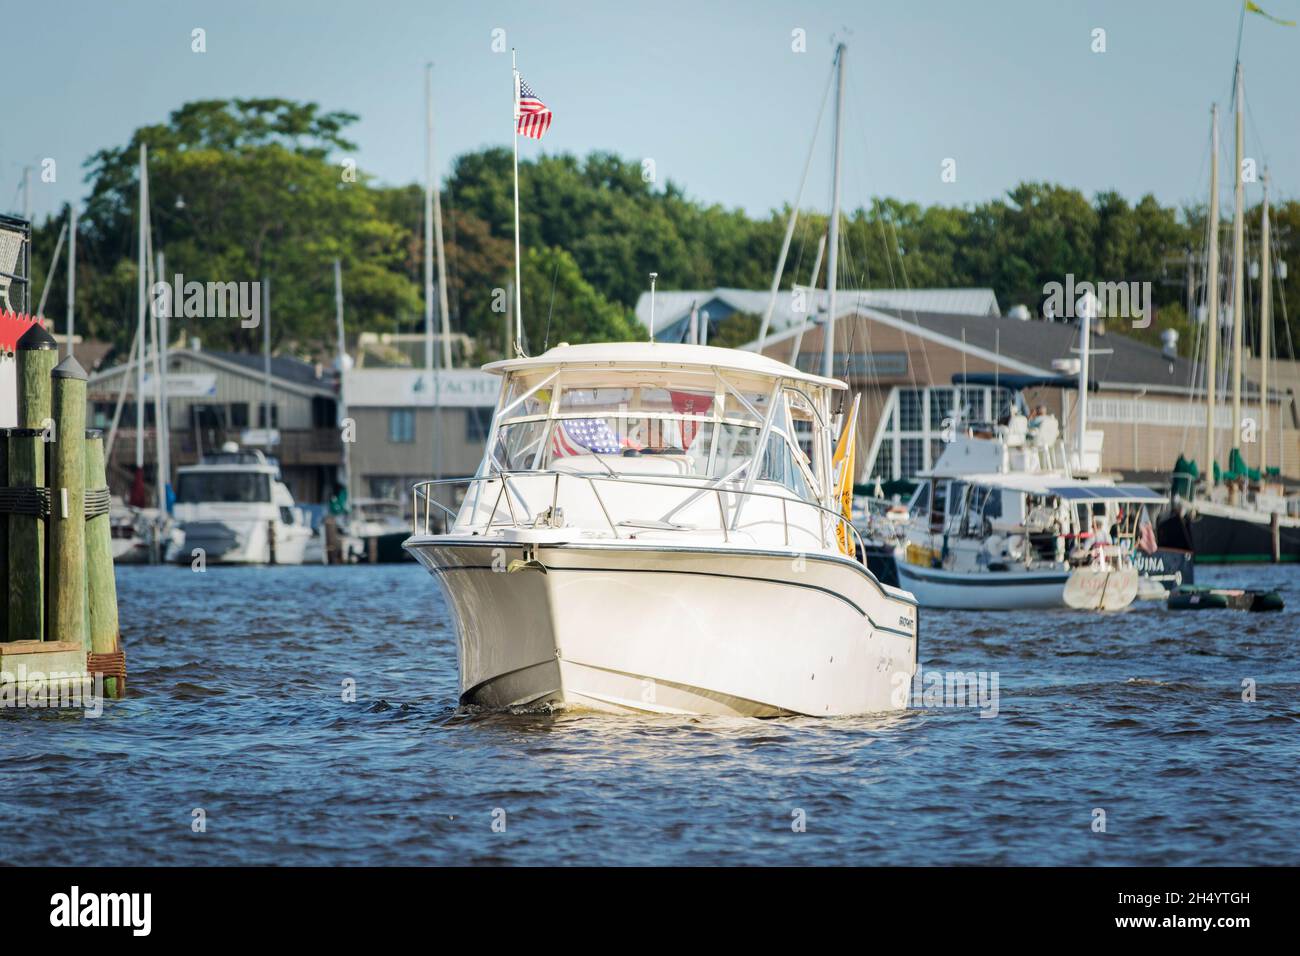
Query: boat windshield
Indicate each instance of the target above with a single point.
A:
(223, 487)
(661, 430)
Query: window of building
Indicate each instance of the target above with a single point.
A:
(239, 414)
(913, 456)
(911, 407)
(401, 425)
(261, 415)
(477, 423)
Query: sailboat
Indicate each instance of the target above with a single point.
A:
(1236, 514)
(646, 534)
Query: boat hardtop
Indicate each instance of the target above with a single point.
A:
(661, 357)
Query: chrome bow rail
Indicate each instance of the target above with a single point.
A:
(423, 499)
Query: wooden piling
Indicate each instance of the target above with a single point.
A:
(26, 579)
(35, 356)
(67, 596)
(101, 588)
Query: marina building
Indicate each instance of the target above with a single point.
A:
(403, 434)
(214, 397)
(1147, 402)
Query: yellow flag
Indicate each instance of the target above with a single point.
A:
(843, 470)
(1255, 8)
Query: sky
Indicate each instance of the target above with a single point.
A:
(711, 92)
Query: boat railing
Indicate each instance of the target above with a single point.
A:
(424, 499)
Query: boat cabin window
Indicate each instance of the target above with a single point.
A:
(223, 487)
(697, 428)
(921, 501)
(983, 504)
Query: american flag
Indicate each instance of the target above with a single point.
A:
(532, 117)
(578, 436)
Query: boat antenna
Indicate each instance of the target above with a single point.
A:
(653, 277)
(546, 339)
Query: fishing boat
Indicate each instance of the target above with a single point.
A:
(1011, 517)
(654, 528)
(234, 508)
(1004, 539)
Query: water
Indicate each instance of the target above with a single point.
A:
(236, 709)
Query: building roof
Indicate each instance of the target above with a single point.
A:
(287, 372)
(1118, 361)
(284, 367)
(672, 306)
(1031, 346)
(661, 355)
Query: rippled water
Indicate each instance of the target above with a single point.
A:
(236, 708)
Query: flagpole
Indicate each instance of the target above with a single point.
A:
(519, 310)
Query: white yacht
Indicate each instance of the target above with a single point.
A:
(235, 507)
(655, 528)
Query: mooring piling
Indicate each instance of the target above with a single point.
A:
(67, 541)
(59, 598)
(26, 501)
(101, 587)
(36, 354)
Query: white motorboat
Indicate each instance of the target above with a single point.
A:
(234, 506)
(654, 528)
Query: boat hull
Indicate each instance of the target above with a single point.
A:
(985, 591)
(246, 542)
(637, 629)
(1228, 538)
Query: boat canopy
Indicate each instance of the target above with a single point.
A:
(661, 357)
(1018, 383)
(1121, 493)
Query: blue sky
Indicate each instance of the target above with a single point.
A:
(711, 91)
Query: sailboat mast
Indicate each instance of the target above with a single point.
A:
(343, 378)
(437, 236)
(142, 266)
(1087, 305)
(1238, 270)
(1212, 296)
(72, 271)
(266, 355)
(164, 418)
(1265, 320)
(428, 221)
(828, 343)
